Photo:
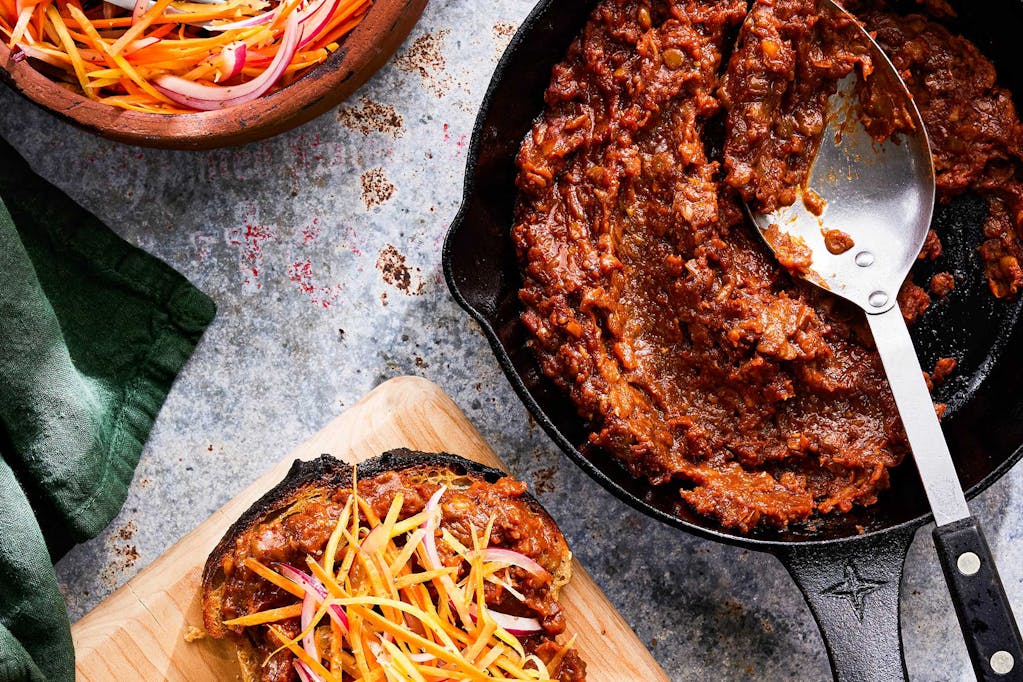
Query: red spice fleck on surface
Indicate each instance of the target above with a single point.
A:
(203, 244)
(301, 273)
(460, 143)
(311, 232)
(303, 150)
(251, 238)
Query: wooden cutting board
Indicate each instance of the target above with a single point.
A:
(138, 633)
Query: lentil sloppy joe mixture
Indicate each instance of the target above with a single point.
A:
(696, 358)
(467, 506)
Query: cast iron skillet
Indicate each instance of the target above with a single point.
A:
(848, 567)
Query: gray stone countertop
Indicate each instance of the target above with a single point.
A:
(321, 248)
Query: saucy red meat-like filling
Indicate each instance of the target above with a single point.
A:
(304, 530)
(651, 300)
(787, 62)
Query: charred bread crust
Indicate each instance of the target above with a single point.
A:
(327, 472)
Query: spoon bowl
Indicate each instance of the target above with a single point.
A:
(878, 194)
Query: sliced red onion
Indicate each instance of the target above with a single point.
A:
(421, 658)
(315, 18)
(233, 57)
(266, 17)
(515, 625)
(213, 97)
(308, 611)
(138, 10)
(123, 4)
(139, 44)
(305, 673)
(337, 614)
(22, 50)
(302, 579)
(310, 583)
(130, 4)
(513, 558)
(257, 58)
(430, 525)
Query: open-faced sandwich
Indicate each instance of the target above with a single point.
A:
(410, 566)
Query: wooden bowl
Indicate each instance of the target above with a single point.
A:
(362, 52)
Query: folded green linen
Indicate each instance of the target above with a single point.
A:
(93, 332)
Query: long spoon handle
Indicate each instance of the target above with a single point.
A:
(985, 616)
(933, 460)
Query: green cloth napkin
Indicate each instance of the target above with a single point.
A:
(93, 332)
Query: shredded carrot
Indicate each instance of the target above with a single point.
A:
(402, 614)
(345, 20)
(117, 55)
(139, 26)
(77, 63)
(268, 616)
(8, 8)
(111, 56)
(276, 578)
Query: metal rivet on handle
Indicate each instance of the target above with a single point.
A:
(1002, 662)
(968, 563)
(878, 299)
(864, 259)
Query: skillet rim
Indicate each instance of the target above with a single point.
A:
(513, 376)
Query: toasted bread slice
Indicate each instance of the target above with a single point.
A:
(295, 518)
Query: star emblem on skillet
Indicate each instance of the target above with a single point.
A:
(854, 588)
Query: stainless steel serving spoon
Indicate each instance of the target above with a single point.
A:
(882, 197)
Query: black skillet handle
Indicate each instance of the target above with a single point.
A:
(985, 616)
(852, 588)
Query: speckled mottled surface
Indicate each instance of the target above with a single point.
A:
(322, 250)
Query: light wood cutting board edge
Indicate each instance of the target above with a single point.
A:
(138, 633)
